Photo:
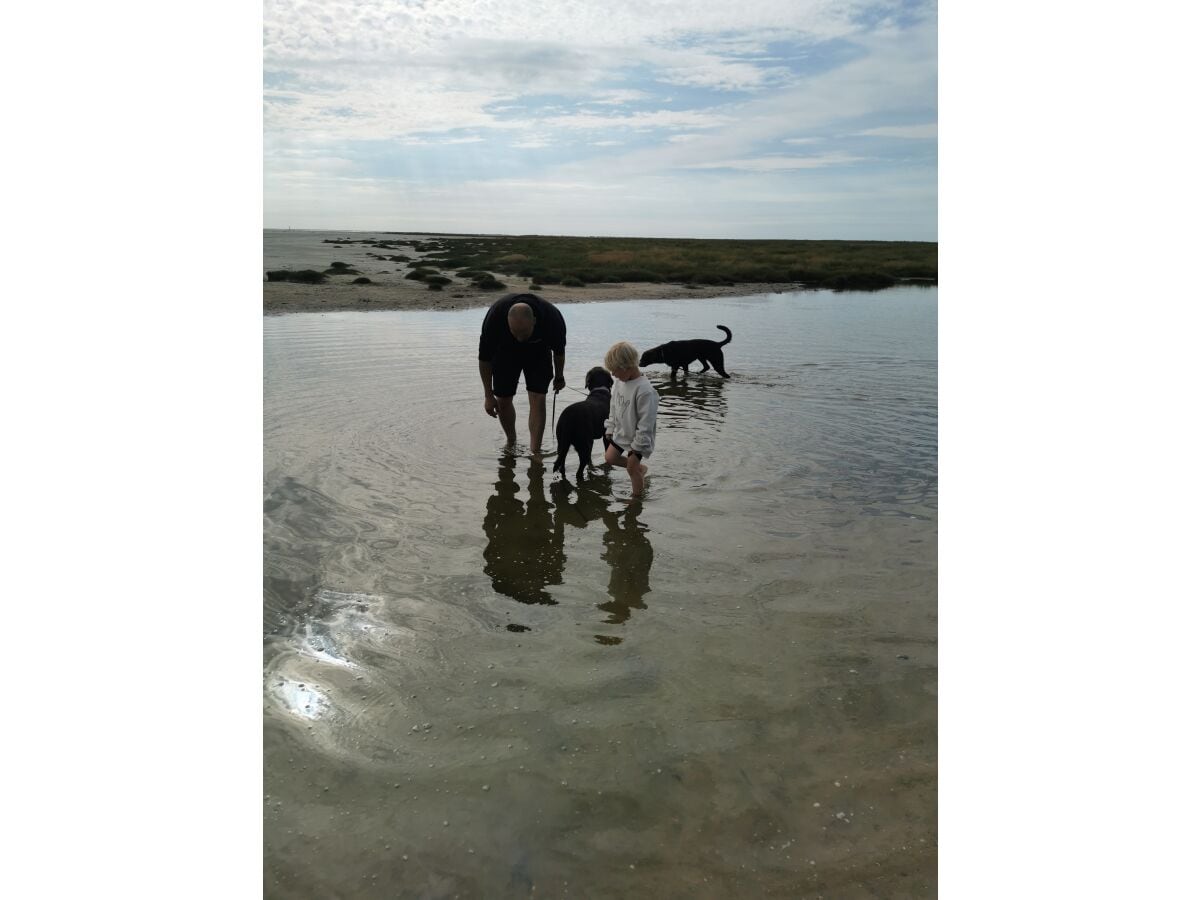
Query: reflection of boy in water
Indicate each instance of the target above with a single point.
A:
(628, 552)
(524, 552)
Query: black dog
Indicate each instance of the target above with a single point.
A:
(581, 423)
(678, 354)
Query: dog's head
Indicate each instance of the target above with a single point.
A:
(597, 378)
(652, 356)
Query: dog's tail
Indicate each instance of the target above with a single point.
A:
(728, 336)
(560, 464)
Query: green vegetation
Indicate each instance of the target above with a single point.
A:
(363, 280)
(301, 276)
(488, 282)
(574, 261)
(340, 268)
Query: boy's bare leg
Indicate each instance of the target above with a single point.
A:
(537, 421)
(507, 415)
(637, 476)
(637, 470)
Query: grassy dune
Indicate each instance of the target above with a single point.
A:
(855, 265)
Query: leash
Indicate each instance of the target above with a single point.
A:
(554, 404)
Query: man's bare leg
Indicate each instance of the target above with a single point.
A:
(507, 415)
(537, 421)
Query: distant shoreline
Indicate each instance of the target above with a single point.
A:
(406, 271)
(282, 297)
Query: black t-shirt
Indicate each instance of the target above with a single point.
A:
(549, 329)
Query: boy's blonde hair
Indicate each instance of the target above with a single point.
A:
(621, 355)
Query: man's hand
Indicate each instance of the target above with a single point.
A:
(559, 383)
(489, 405)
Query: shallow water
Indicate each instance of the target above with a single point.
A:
(480, 683)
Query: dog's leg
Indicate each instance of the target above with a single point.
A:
(718, 362)
(560, 464)
(585, 458)
(703, 364)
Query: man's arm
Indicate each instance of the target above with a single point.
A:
(489, 399)
(560, 361)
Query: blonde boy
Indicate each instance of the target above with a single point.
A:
(632, 414)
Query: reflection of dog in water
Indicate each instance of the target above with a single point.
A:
(524, 552)
(525, 541)
(679, 354)
(629, 554)
(581, 423)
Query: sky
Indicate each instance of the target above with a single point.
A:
(797, 119)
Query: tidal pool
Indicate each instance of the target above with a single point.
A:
(480, 681)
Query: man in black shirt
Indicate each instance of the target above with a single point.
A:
(522, 334)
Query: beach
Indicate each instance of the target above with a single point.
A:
(390, 288)
(394, 292)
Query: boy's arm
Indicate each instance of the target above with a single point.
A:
(646, 406)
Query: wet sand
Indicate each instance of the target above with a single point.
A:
(391, 290)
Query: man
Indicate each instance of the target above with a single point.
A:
(522, 334)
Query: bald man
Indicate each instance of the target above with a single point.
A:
(522, 335)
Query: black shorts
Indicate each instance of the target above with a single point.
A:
(622, 450)
(536, 365)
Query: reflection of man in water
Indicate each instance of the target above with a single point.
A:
(628, 552)
(524, 552)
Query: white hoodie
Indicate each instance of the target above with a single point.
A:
(632, 415)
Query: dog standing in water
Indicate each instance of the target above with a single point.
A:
(581, 423)
(678, 354)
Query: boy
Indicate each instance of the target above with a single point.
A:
(632, 416)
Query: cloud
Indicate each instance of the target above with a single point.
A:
(376, 31)
(779, 163)
(662, 118)
(620, 98)
(454, 95)
(916, 132)
(532, 143)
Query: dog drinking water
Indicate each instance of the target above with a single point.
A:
(678, 354)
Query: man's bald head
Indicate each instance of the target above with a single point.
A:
(521, 321)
